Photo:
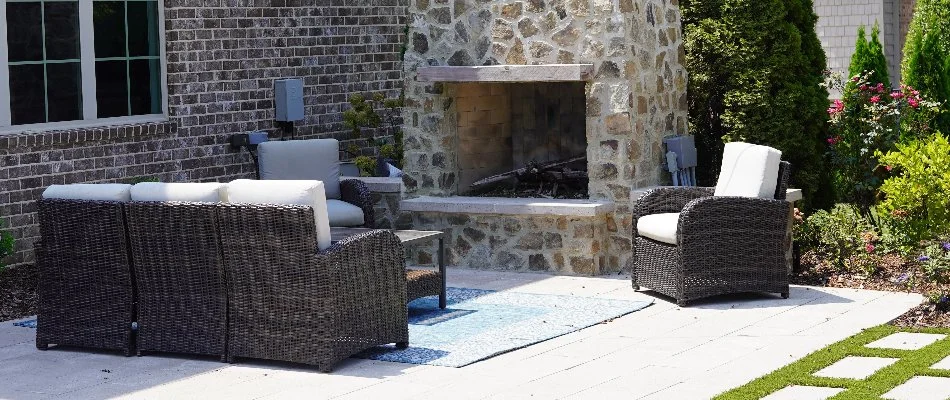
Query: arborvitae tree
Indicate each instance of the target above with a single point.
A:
(869, 56)
(926, 63)
(756, 69)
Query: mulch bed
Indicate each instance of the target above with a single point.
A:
(894, 275)
(17, 292)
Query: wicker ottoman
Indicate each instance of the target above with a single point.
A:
(419, 282)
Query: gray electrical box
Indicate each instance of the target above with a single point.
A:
(288, 99)
(685, 149)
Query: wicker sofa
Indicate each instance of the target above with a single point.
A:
(696, 242)
(202, 276)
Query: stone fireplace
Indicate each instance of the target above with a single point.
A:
(491, 85)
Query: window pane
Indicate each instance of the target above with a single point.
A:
(109, 28)
(62, 30)
(63, 88)
(24, 32)
(112, 96)
(144, 83)
(26, 94)
(143, 28)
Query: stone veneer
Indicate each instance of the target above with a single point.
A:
(636, 96)
(222, 57)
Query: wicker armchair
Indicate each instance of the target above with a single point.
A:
(291, 302)
(723, 244)
(179, 273)
(86, 295)
(348, 201)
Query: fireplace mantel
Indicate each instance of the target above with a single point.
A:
(508, 73)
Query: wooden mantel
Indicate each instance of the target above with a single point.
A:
(508, 73)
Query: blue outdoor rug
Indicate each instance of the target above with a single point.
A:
(479, 324)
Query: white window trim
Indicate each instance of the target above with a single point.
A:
(88, 68)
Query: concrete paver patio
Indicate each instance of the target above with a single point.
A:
(661, 352)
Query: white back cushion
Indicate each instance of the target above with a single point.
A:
(89, 191)
(317, 159)
(157, 191)
(748, 170)
(303, 193)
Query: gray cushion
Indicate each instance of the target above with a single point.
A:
(344, 214)
(314, 159)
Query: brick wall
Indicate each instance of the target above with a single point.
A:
(222, 57)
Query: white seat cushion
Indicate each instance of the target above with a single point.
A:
(659, 227)
(317, 159)
(344, 214)
(748, 170)
(89, 191)
(157, 191)
(304, 193)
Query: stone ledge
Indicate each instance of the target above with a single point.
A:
(791, 195)
(508, 73)
(508, 206)
(380, 185)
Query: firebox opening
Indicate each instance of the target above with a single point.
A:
(523, 139)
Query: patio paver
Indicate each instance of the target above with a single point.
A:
(853, 367)
(921, 388)
(803, 393)
(661, 352)
(906, 341)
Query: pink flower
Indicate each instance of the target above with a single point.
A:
(855, 78)
(869, 247)
(896, 95)
(837, 107)
(880, 88)
(875, 99)
(912, 102)
(863, 87)
(888, 168)
(834, 140)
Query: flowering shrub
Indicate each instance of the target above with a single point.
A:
(935, 262)
(872, 118)
(843, 236)
(917, 196)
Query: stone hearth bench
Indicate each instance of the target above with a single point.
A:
(555, 235)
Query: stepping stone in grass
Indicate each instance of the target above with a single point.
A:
(921, 388)
(906, 341)
(796, 392)
(942, 364)
(852, 367)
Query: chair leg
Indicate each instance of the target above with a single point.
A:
(784, 295)
(42, 346)
(682, 302)
(402, 345)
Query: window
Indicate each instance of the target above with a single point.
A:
(79, 60)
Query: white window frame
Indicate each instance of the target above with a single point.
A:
(88, 70)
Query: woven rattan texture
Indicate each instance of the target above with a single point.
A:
(179, 273)
(288, 302)
(85, 295)
(422, 283)
(725, 244)
(357, 193)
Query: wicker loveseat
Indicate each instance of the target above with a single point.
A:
(203, 276)
(696, 242)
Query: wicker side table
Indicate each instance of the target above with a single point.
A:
(419, 282)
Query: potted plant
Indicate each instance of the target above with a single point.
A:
(375, 120)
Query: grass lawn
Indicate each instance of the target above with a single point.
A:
(912, 363)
